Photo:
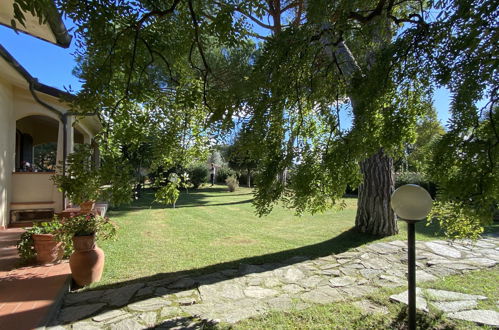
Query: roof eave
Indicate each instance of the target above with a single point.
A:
(58, 28)
(42, 88)
(56, 25)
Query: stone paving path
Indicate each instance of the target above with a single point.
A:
(454, 305)
(235, 294)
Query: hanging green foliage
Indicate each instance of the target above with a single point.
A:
(175, 74)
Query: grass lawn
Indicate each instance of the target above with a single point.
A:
(347, 315)
(212, 229)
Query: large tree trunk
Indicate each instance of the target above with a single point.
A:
(374, 214)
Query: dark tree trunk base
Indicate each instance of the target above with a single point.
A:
(374, 214)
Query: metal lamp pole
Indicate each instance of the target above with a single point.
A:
(411, 274)
(412, 204)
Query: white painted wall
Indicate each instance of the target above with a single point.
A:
(34, 187)
(25, 105)
(16, 103)
(7, 133)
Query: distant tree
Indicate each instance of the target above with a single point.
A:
(216, 158)
(418, 153)
(242, 154)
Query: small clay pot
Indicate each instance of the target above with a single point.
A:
(87, 261)
(87, 206)
(48, 249)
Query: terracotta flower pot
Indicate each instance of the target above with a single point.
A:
(87, 206)
(48, 249)
(87, 262)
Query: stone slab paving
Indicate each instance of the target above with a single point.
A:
(235, 294)
(454, 305)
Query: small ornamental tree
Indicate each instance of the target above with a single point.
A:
(81, 181)
(169, 193)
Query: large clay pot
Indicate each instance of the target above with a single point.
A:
(87, 206)
(48, 249)
(87, 262)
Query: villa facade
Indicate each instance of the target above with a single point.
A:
(37, 129)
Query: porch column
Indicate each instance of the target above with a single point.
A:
(7, 150)
(70, 135)
(60, 205)
(60, 143)
(59, 157)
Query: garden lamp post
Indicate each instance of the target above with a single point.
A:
(411, 204)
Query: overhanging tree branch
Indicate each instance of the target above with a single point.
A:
(375, 12)
(157, 13)
(196, 37)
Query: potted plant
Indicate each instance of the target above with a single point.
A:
(43, 242)
(82, 180)
(87, 260)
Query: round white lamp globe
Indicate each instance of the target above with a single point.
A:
(411, 202)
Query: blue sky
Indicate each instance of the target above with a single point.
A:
(53, 65)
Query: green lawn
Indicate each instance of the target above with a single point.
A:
(212, 229)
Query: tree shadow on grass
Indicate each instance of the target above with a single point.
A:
(345, 241)
(193, 198)
(185, 322)
(174, 282)
(182, 205)
(194, 278)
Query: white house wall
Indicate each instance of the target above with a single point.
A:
(7, 131)
(25, 105)
(16, 102)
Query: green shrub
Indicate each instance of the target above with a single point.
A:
(232, 183)
(168, 194)
(456, 220)
(83, 181)
(198, 174)
(222, 173)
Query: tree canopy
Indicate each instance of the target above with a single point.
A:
(288, 68)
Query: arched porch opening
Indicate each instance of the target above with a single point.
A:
(36, 144)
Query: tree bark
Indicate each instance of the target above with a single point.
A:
(249, 178)
(374, 214)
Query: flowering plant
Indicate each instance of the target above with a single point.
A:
(88, 224)
(26, 244)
